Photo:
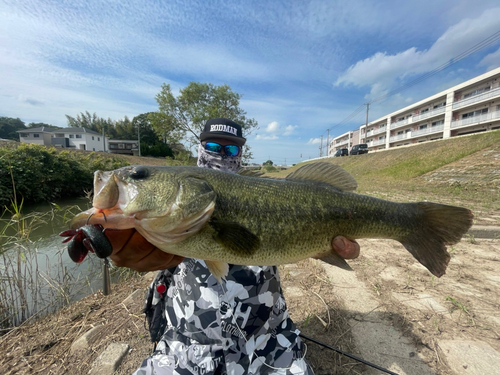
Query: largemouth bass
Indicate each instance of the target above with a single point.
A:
(232, 218)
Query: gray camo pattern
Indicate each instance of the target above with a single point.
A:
(238, 327)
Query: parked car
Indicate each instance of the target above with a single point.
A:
(362, 148)
(341, 152)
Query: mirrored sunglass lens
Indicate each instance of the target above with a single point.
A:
(214, 147)
(231, 150)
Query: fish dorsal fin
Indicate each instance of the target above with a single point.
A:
(325, 172)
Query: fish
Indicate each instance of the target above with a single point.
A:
(225, 218)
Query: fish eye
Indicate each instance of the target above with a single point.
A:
(139, 173)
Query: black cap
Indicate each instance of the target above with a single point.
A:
(223, 128)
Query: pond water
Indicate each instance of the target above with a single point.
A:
(36, 274)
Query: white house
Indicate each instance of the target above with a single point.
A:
(75, 138)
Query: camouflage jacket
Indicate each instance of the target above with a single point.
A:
(238, 327)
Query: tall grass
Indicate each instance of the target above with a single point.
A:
(31, 282)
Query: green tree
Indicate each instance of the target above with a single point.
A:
(184, 116)
(9, 127)
(125, 129)
(93, 122)
(268, 162)
(42, 125)
(143, 123)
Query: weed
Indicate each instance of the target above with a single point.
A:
(306, 322)
(457, 305)
(471, 238)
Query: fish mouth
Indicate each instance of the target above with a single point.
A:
(108, 218)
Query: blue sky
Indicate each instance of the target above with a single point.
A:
(301, 66)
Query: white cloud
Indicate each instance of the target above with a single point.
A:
(382, 71)
(273, 127)
(266, 137)
(491, 61)
(314, 141)
(289, 130)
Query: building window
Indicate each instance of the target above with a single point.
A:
(98, 138)
(476, 92)
(423, 126)
(72, 136)
(113, 146)
(475, 113)
(400, 132)
(439, 105)
(407, 130)
(93, 139)
(25, 135)
(78, 135)
(93, 149)
(424, 110)
(36, 135)
(436, 123)
(121, 146)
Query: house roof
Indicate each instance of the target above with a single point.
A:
(44, 129)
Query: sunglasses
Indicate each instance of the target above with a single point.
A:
(229, 150)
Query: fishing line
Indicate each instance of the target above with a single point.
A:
(347, 354)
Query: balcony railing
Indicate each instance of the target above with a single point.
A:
(376, 142)
(341, 143)
(476, 119)
(417, 133)
(428, 114)
(476, 98)
(398, 124)
(399, 137)
(373, 132)
(428, 130)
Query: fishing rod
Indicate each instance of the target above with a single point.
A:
(347, 354)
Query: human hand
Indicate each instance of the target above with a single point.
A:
(346, 248)
(132, 250)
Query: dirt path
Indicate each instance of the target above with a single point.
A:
(390, 311)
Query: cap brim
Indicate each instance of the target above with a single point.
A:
(240, 141)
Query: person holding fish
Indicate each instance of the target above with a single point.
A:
(203, 324)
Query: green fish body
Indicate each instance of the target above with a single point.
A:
(237, 219)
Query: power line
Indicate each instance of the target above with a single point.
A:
(483, 44)
(477, 47)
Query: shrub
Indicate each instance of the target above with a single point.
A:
(43, 174)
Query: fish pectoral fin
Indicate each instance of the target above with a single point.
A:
(333, 258)
(235, 238)
(218, 269)
(325, 172)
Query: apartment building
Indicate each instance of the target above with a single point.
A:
(470, 107)
(346, 140)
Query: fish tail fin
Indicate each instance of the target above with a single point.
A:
(438, 226)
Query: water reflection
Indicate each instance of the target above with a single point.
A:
(37, 275)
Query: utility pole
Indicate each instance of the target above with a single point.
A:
(321, 148)
(139, 137)
(367, 106)
(327, 142)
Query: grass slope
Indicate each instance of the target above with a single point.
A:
(404, 170)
